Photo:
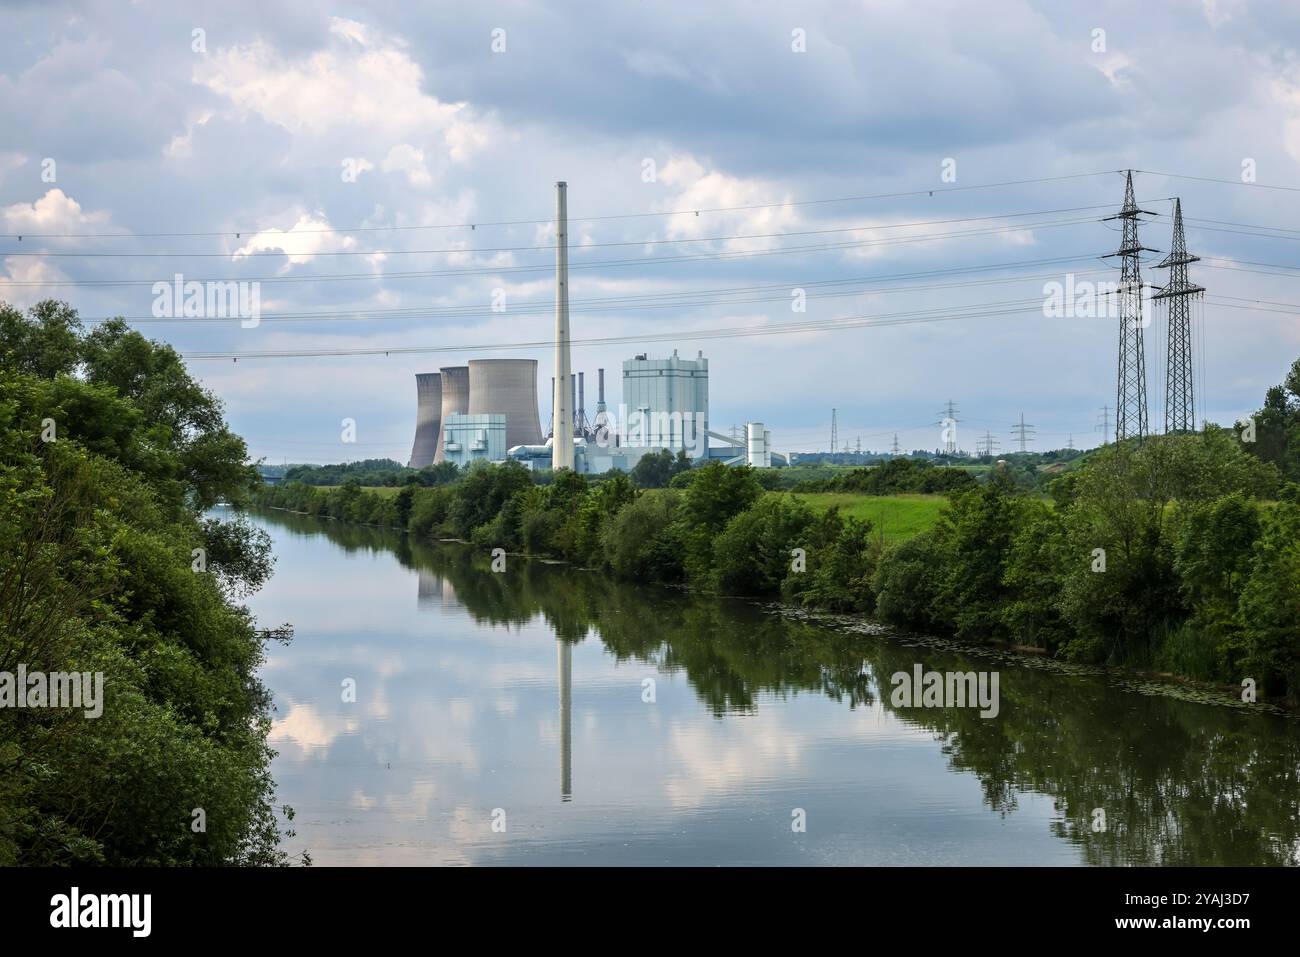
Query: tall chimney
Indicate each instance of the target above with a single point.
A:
(600, 385)
(582, 402)
(562, 421)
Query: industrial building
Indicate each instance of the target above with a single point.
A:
(428, 418)
(666, 403)
(479, 437)
(487, 411)
(508, 387)
(455, 400)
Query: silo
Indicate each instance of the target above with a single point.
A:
(428, 417)
(509, 386)
(756, 439)
(455, 397)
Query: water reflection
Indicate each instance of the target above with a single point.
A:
(459, 717)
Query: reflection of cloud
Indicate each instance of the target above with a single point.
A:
(712, 759)
(306, 727)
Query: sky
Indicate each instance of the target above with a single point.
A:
(898, 161)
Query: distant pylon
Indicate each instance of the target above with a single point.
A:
(894, 448)
(835, 430)
(1105, 425)
(1131, 390)
(1022, 432)
(987, 446)
(948, 420)
(1070, 445)
(1180, 390)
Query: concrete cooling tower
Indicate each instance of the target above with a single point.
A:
(509, 386)
(455, 399)
(428, 417)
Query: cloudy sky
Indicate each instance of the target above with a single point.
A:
(894, 160)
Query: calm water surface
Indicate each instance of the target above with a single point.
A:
(521, 695)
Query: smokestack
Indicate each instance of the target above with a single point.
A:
(582, 402)
(600, 395)
(562, 422)
(573, 403)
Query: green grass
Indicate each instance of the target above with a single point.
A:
(895, 517)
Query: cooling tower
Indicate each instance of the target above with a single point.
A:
(509, 386)
(428, 417)
(455, 398)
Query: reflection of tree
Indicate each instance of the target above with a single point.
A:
(1180, 783)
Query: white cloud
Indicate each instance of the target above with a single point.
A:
(300, 242)
(55, 212)
(363, 84)
(405, 158)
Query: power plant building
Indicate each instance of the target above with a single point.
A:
(484, 391)
(455, 400)
(508, 387)
(666, 403)
(474, 438)
(428, 419)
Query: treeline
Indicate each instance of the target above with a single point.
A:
(894, 477)
(109, 455)
(1169, 555)
(374, 472)
(1181, 554)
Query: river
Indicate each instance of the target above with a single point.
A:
(544, 715)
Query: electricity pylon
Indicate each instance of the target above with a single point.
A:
(1180, 391)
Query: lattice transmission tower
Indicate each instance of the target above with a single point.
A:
(948, 421)
(1131, 392)
(1179, 293)
(1023, 433)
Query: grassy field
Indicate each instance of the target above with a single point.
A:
(895, 517)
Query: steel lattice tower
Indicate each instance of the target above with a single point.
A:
(1131, 392)
(1180, 391)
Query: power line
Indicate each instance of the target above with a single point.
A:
(824, 325)
(606, 304)
(489, 271)
(237, 234)
(280, 251)
(1225, 182)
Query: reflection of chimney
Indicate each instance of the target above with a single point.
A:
(565, 651)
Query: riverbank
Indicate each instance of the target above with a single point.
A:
(1166, 558)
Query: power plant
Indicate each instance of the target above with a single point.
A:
(455, 401)
(487, 410)
(428, 418)
(508, 387)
